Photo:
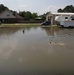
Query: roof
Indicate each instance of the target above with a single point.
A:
(58, 14)
(18, 16)
(9, 14)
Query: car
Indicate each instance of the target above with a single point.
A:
(46, 23)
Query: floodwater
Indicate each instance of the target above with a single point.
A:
(36, 51)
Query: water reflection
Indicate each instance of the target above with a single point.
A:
(23, 31)
(31, 53)
(8, 31)
(50, 31)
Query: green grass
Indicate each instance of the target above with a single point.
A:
(50, 26)
(25, 25)
(19, 25)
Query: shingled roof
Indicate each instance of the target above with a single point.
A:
(9, 14)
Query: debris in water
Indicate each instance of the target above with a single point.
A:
(52, 43)
(62, 44)
(56, 43)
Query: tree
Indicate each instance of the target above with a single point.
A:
(69, 8)
(44, 15)
(3, 8)
(34, 15)
(60, 10)
(28, 15)
(22, 14)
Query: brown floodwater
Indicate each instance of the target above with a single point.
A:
(36, 51)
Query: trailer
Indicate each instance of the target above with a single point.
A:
(67, 23)
(66, 20)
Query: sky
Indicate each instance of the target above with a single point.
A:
(39, 6)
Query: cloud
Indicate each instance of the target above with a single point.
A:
(7, 47)
(23, 6)
(51, 8)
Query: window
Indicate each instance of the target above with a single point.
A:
(72, 17)
(66, 17)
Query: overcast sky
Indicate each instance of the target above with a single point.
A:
(39, 6)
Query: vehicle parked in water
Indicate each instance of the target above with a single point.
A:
(46, 23)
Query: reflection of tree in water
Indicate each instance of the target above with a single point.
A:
(35, 27)
(28, 29)
(8, 31)
(25, 29)
(66, 31)
(51, 31)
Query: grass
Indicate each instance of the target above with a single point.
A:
(50, 26)
(20, 25)
(25, 25)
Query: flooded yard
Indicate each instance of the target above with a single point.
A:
(36, 51)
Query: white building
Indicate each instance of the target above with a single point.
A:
(62, 18)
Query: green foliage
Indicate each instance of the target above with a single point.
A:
(22, 14)
(14, 13)
(3, 8)
(34, 15)
(28, 15)
(60, 10)
(69, 8)
(44, 15)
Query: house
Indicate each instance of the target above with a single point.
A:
(8, 16)
(18, 17)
